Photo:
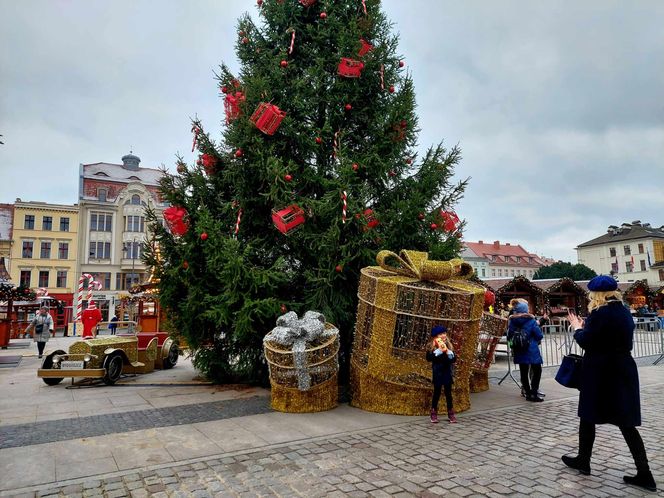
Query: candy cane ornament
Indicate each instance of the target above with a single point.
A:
(79, 301)
(292, 43)
(382, 76)
(364, 7)
(237, 223)
(344, 206)
(195, 130)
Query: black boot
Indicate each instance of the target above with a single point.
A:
(642, 479)
(532, 396)
(582, 465)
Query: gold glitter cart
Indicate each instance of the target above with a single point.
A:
(399, 302)
(492, 328)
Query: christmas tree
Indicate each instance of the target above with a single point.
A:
(315, 171)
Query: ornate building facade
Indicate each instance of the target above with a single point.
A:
(113, 199)
(496, 260)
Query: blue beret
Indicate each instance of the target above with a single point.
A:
(437, 330)
(521, 307)
(602, 283)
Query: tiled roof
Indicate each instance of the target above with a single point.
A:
(504, 254)
(627, 231)
(117, 172)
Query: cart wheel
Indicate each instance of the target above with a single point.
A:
(47, 364)
(172, 358)
(113, 367)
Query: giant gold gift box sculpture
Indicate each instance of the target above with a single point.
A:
(399, 302)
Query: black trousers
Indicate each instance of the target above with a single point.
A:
(530, 376)
(40, 347)
(632, 438)
(436, 396)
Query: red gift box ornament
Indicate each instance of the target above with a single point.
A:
(175, 219)
(350, 68)
(365, 47)
(450, 220)
(370, 218)
(288, 219)
(232, 103)
(308, 3)
(209, 163)
(267, 118)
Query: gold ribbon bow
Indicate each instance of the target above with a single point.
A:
(417, 264)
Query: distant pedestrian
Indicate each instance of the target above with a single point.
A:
(528, 356)
(42, 324)
(610, 379)
(113, 325)
(441, 356)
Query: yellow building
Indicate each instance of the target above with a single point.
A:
(44, 252)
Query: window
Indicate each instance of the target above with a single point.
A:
(614, 267)
(104, 279)
(661, 274)
(500, 272)
(641, 250)
(135, 224)
(64, 224)
(45, 252)
(511, 273)
(100, 222)
(483, 272)
(493, 272)
(47, 223)
(101, 194)
(124, 281)
(43, 278)
(61, 278)
(29, 223)
(132, 250)
(628, 267)
(518, 259)
(27, 248)
(612, 251)
(100, 250)
(24, 279)
(643, 265)
(627, 250)
(136, 199)
(63, 250)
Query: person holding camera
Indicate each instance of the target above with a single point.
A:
(42, 324)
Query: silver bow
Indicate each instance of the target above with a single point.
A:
(295, 332)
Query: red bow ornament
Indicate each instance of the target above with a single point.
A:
(175, 219)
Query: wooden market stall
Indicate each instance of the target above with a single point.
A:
(638, 294)
(521, 287)
(563, 295)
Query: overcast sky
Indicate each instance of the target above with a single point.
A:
(557, 106)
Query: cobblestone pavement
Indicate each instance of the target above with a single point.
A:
(12, 436)
(506, 451)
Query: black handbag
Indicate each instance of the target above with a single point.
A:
(570, 371)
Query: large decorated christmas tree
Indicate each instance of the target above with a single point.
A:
(316, 170)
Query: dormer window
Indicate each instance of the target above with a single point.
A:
(518, 259)
(136, 200)
(101, 194)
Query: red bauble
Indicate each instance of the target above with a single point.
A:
(224, 89)
(489, 298)
(181, 168)
(323, 15)
(283, 63)
(238, 153)
(259, 3)
(288, 178)
(372, 222)
(241, 33)
(245, 40)
(185, 265)
(204, 236)
(199, 162)
(391, 88)
(338, 268)
(209, 163)
(434, 226)
(409, 160)
(356, 166)
(283, 308)
(392, 173)
(403, 123)
(348, 107)
(420, 216)
(319, 140)
(402, 63)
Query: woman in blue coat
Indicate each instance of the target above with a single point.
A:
(529, 358)
(610, 379)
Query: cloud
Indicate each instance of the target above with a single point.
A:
(557, 106)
